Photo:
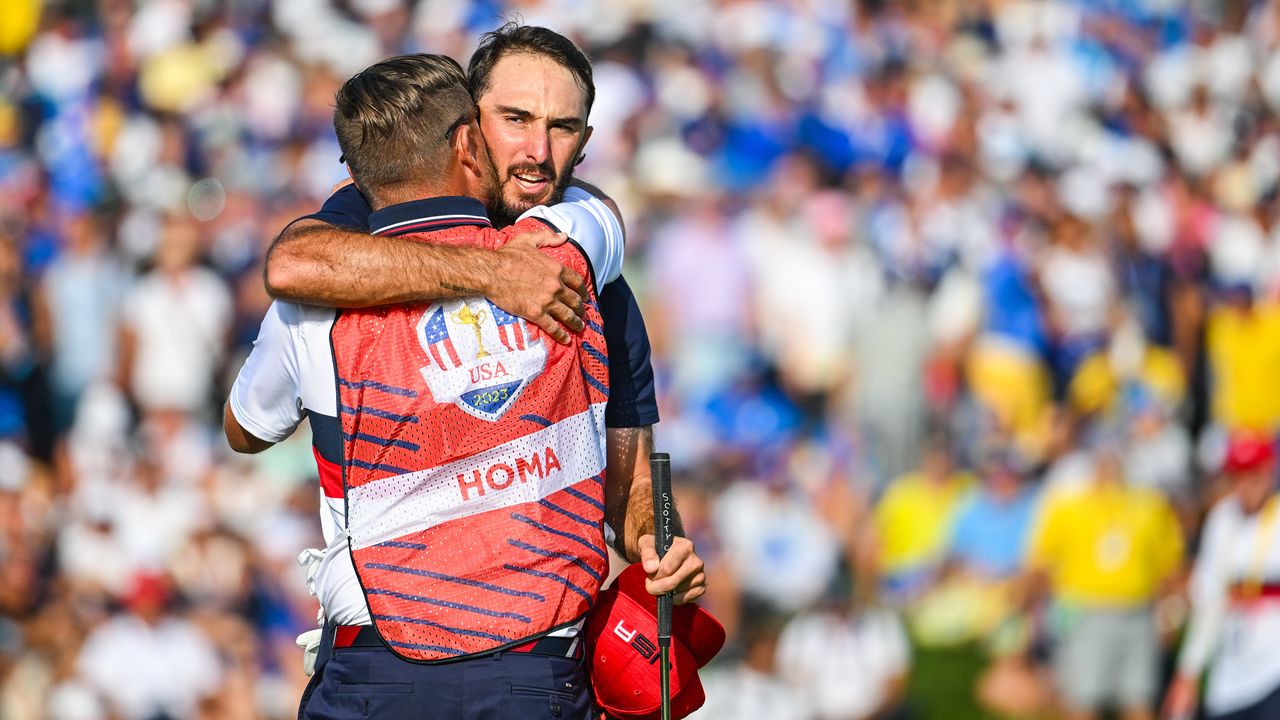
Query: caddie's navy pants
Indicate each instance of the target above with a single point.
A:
(372, 682)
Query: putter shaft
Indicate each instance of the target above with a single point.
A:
(663, 512)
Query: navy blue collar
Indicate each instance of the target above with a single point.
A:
(438, 213)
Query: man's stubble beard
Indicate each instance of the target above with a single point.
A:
(503, 213)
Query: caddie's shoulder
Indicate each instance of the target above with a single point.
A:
(298, 315)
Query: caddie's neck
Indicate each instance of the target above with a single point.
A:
(452, 183)
(459, 171)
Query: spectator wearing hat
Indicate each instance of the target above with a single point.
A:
(1106, 550)
(1235, 585)
(150, 663)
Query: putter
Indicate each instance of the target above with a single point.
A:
(660, 470)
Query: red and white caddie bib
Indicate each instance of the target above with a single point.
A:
(473, 467)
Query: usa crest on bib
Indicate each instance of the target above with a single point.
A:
(483, 381)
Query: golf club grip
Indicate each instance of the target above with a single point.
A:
(663, 512)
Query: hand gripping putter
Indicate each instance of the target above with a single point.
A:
(663, 510)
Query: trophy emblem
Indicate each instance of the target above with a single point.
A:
(466, 317)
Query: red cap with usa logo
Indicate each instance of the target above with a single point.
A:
(622, 637)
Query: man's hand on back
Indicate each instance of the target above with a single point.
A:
(531, 285)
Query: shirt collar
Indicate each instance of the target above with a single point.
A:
(438, 213)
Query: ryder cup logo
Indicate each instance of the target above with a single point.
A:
(479, 357)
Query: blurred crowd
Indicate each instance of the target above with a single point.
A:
(939, 291)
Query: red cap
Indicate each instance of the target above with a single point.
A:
(622, 637)
(1248, 451)
(147, 592)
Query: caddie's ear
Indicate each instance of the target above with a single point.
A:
(467, 146)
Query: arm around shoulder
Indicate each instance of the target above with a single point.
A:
(316, 263)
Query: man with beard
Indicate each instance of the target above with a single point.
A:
(470, 448)
(534, 91)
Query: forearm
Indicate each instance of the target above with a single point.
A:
(1208, 616)
(629, 489)
(315, 263)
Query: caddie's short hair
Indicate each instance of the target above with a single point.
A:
(395, 119)
(514, 38)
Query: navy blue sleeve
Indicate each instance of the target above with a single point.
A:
(345, 208)
(632, 400)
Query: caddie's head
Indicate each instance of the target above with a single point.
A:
(406, 127)
(535, 90)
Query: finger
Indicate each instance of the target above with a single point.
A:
(680, 554)
(679, 579)
(682, 583)
(693, 593)
(564, 314)
(685, 598)
(575, 282)
(669, 584)
(537, 238)
(546, 238)
(648, 554)
(572, 300)
(553, 328)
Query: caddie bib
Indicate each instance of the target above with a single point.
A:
(473, 457)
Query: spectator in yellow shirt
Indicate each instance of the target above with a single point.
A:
(1106, 550)
(1243, 343)
(913, 520)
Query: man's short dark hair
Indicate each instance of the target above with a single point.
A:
(395, 119)
(513, 38)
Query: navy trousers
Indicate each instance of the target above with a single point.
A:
(372, 682)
